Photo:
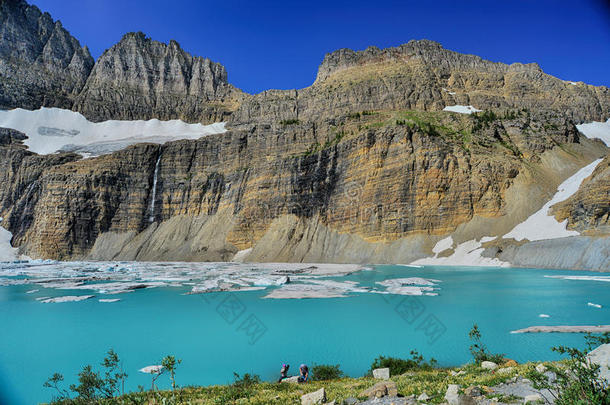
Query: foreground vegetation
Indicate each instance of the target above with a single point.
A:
(577, 381)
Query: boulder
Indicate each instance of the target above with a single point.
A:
(423, 397)
(541, 368)
(452, 395)
(381, 373)
(381, 389)
(291, 380)
(532, 398)
(316, 397)
(489, 365)
(510, 363)
(473, 391)
(350, 401)
(601, 357)
(457, 373)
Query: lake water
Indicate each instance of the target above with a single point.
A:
(218, 333)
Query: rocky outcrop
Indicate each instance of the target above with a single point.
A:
(139, 78)
(41, 64)
(11, 137)
(588, 210)
(423, 75)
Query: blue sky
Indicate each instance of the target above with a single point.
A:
(279, 44)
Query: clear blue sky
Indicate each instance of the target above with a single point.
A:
(279, 44)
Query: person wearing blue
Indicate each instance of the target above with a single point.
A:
(304, 371)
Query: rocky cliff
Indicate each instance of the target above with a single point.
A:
(41, 64)
(362, 166)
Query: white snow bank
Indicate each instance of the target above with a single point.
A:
(465, 254)
(462, 109)
(52, 129)
(7, 252)
(541, 225)
(600, 130)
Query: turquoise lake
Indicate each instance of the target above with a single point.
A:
(216, 334)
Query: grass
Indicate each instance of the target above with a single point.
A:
(432, 381)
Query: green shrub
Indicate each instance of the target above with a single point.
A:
(289, 122)
(324, 372)
(577, 383)
(400, 366)
(479, 350)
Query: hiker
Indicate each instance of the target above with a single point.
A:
(304, 370)
(284, 372)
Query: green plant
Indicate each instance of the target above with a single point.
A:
(324, 372)
(576, 383)
(399, 366)
(479, 350)
(170, 363)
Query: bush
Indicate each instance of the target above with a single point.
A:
(289, 122)
(578, 383)
(400, 366)
(241, 388)
(479, 350)
(325, 372)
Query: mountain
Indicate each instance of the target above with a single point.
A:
(362, 166)
(41, 64)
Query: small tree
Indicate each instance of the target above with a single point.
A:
(479, 350)
(90, 384)
(400, 366)
(170, 363)
(113, 375)
(53, 382)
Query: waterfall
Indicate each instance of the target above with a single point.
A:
(151, 210)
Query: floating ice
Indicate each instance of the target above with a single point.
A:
(462, 109)
(600, 130)
(109, 300)
(544, 316)
(541, 225)
(605, 279)
(593, 305)
(151, 369)
(67, 298)
(52, 129)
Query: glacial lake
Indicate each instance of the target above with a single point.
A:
(218, 333)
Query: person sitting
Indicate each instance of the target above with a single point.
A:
(304, 371)
(284, 372)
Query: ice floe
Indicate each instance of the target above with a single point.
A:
(52, 129)
(156, 369)
(541, 225)
(565, 329)
(605, 279)
(462, 109)
(67, 298)
(544, 316)
(109, 300)
(591, 304)
(600, 130)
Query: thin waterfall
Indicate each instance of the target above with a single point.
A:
(151, 210)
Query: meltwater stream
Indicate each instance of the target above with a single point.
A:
(217, 333)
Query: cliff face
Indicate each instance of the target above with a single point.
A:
(588, 210)
(373, 177)
(423, 75)
(140, 79)
(41, 64)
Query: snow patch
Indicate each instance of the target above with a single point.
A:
(600, 130)
(7, 252)
(462, 109)
(52, 129)
(465, 254)
(541, 225)
(241, 255)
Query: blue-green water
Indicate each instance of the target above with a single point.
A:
(258, 335)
